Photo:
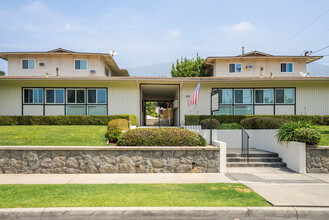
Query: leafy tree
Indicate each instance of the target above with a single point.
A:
(189, 68)
(150, 107)
(2, 73)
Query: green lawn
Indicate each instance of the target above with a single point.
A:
(128, 195)
(325, 136)
(55, 135)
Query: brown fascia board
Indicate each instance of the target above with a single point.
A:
(171, 79)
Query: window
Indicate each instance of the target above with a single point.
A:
(235, 68)
(54, 96)
(285, 96)
(243, 96)
(75, 110)
(243, 110)
(225, 96)
(33, 96)
(286, 67)
(97, 96)
(80, 64)
(75, 96)
(264, 96)
(107, 72)
(224, 110)
(97, 110)
(27, 64)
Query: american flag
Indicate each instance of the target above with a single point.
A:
(193, 100)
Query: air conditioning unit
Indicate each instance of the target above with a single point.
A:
(92, 71)
(248, 67)
(42, 64)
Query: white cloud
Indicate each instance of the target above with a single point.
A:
(243, 26)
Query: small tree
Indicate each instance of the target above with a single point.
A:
(188, 67)
(2, 73)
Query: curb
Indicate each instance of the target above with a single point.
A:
(207, 213)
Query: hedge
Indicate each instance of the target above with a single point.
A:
(262, 123)
(161, 137)
(115, 128)
(315, 119)
(66, 120)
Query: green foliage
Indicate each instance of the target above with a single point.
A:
(115, 128)
(314, 119)
(161, 137)
(262, 123)
(308, 135)
(65, 120)
(205, 124)
(2, 73)
(150, 108)
(306, 132)
(188, 68)
(229, 126)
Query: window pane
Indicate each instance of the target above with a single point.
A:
(92, 96)
(80, 96)
(107, 72)
(238, 67)
(70, 96)
(227, 96)
(259, 96)
(59, 96)
(77, 64)
(40, 95)
(289, 67)
(97, 110)
(243, 110)
(75, 110)
(224, 110)
(50, 96)
(101, 96)
(28, 96)
(238, 96)
(232, 68)
(268, 95)
(220, 94)
(25, 64)
(31, 64)
(283, 67)
(83, 64)
(289, 96)
(279, 96)
(36, 96)
(247, 96)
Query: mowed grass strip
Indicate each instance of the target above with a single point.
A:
(53, 135)
(129, 195)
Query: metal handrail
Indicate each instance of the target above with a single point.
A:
(245, 144)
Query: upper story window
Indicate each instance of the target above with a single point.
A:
(80, 64)
(27, 64)
(285, 96)
(33, 96)
(55, 96)
(287, 67)
(75, 96)
(235, 67)
(107, 72)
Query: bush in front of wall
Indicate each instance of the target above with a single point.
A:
(301, 131)
(262, 123)
(205, 124)
(161, 137)
(229, 126)
(115, 128)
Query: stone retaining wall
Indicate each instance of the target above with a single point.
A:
(317, 159)
(48, 159)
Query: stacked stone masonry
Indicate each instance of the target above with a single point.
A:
(109, 161)
(317, 159)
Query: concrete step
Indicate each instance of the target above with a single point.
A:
(254, 159)
(256, 164)
(252, 155)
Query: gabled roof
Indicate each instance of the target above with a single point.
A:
(255, 53)
(60, 50)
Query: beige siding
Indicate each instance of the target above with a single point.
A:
(221, 67)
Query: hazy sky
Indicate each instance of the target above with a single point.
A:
(151, 32)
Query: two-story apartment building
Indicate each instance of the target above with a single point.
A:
(63, 82)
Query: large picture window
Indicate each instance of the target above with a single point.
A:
(264, 96)
(76, 110)
(97, 96)
(54, 96)
(75, 96)
(33, 96)
(243, 96)
(285, 96)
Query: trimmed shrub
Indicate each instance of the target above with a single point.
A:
(65, 120)
(161, 137)
(229, 126)
(262, 123)
(307, 135)
(115, 128)
(306, 132)
(205, 124)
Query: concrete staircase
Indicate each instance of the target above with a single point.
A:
(257, 158)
